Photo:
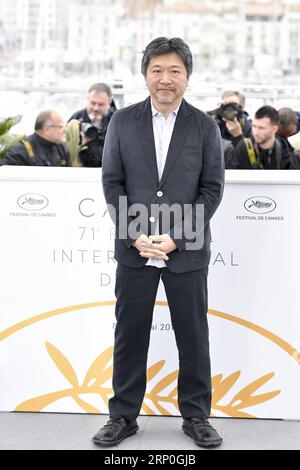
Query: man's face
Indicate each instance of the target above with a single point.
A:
(263, 130)
(166, 78)
(98, 104)
(55, 131)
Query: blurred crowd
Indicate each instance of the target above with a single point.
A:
(271, 140)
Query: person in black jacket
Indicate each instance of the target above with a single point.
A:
(94, 120)
(266, 149)
(43, 148)
(160, 154)
(232, 103)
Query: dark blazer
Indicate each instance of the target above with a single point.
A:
(193, 174)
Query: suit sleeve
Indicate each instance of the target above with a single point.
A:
(114, 180)
(211, 183)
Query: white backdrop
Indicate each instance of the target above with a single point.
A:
(57, 297)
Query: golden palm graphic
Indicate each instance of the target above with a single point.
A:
(100, 372)
(244, 398)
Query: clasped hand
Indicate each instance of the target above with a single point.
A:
(155, 246)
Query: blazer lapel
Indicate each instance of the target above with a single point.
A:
(146, 136)
(181, 130)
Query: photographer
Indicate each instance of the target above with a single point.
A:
(231, 108)
(265, 149)
(94, 120)
(45, 147)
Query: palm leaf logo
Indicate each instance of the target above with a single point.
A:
(158, 400)
(94, 382)
(156, 396)
(243, 399)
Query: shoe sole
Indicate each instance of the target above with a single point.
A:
(115, 443)
(205, 444)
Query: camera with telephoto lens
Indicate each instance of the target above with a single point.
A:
(229, 111)
(89, 130)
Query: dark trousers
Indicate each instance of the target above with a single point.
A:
(187, 298)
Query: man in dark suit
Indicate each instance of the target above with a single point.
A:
(162, 151)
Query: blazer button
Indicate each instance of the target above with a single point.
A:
(152, 219)
(159, 193)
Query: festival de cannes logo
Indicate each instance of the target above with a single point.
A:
(260, 205)
(33, 202)
(233, 396)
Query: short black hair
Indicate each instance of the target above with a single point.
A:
(164, 45)
(268, 112)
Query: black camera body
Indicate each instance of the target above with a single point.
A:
(229, 112)
(91, 132)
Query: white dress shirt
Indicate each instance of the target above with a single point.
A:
(163, 130)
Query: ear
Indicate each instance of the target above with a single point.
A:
(45, 130)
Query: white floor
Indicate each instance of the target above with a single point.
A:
(34, 431)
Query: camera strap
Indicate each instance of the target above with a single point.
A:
(253, 152)
(29, 148)
(278, 153)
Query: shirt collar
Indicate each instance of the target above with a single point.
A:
(155, 112)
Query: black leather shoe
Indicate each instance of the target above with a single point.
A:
(114, 432)
(202, 432)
